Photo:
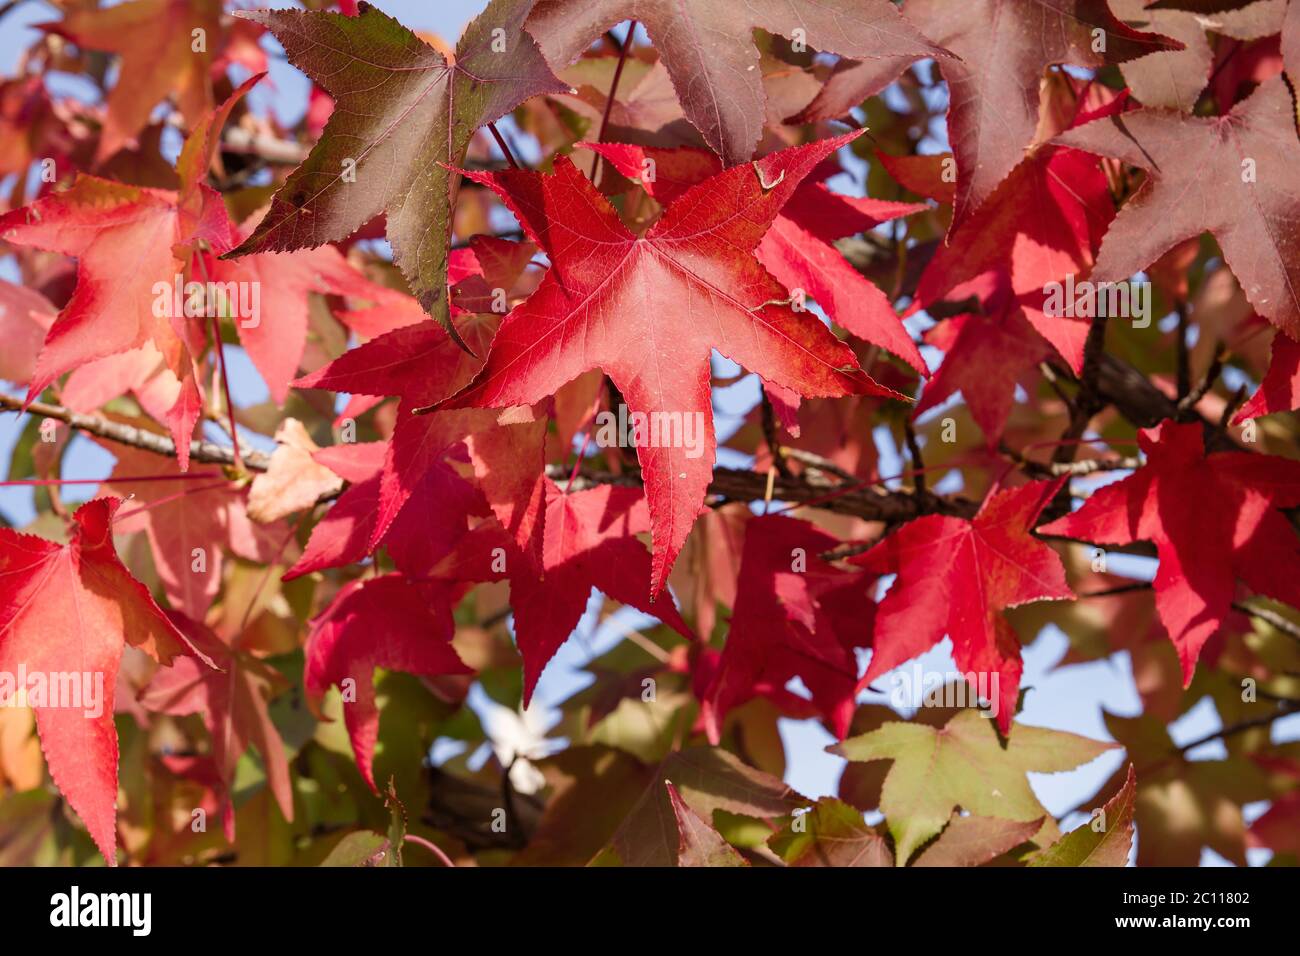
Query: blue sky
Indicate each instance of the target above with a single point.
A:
(1070, 699)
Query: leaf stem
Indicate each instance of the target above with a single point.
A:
(597, 172)
(503, 146)
(225, 388)
(221, 360)
(431, 847)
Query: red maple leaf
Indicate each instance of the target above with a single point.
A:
(1043, 223)
(795, 616)
(648, 310)
(708, 48)
(421, 363)
(159, 59)
(1280, 389)
(276, 335)
(797, 249)
(378, 622)
(985, 356)
(125, 239)
(423, 532)
(69, 610)
(955, 577)
(190, 524)
(1002, 48)
(233, 704)
(1214, 519)
(1241, 166)
(589, 540)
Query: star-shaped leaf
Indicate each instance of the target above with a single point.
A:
(1232, 175)
(378, 622)
(794, 616)
(648, 310)
(1280, 389)
(962, 764)
(403, 118)
(1105, 840)
(589, 540)
(1203, 550)
(71, 609)
(955, 577)
(1003, 47)
(709, 50)
(233, 703)
(161, 56)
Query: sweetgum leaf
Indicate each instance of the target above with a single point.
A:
(701, 845)
(155, 39)
(404, 117)
(832, 833)
(973, 840)
(709, 50)
(1108, 846)
(1001, 49)
(1232, 176)
(649, 310)
(72, 609)
(955, 577)
(1203, 550)
(962, 764)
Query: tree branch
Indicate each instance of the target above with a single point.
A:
(200, 450)
(1144, 405)
(863, 501)
(1242, 725)
(1277, 621)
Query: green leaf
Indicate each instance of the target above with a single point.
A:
(1103, 841)
(962, 764)
(832, 833)
(363, 848)
(403, 116)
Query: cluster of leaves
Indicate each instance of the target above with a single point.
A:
(467, 263)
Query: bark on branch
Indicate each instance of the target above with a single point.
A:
(201, 450)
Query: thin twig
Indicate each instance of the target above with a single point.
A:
(847, 550)
(598, 169)
(1234, 403)
(1055, 469)
(1189, 400)
(818, 462)
(918, 465)
(221, 363)
(1184, 358)
(768, 418)
(225, 388)
(1241, 726)
(1272, 618)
